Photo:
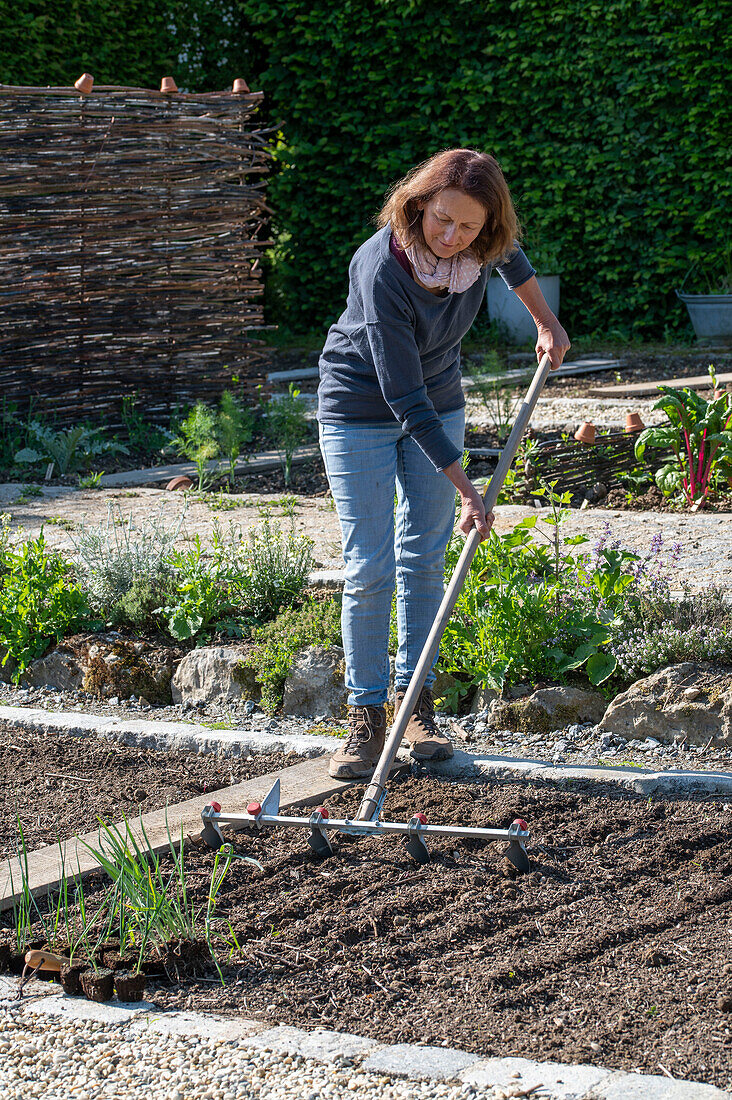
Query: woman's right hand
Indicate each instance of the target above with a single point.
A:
(473, 514)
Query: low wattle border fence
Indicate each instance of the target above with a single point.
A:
(132, 226)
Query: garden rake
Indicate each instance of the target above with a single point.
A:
(366, 822)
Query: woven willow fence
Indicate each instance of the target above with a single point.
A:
(132, 225)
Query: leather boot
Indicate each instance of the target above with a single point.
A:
(426, 741)
(360, 754)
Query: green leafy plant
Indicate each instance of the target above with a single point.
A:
(198, 440)
(234, 429)
(286, 426)
(698, 433)
(143, 436)
(91, 481)
(278, 568)
(68, 449)
(39, 602)
(208, 589)
(317, 622)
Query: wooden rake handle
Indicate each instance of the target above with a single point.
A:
(371, 803)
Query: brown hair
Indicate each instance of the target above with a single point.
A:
(476, 174)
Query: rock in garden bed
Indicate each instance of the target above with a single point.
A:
(549, 709)
(107, 666)
(687, 702)
(214, 674)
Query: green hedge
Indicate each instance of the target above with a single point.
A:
(134, 42)
(610, 121)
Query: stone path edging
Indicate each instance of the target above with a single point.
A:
(444, 1065)
(184, 737)
(148, 475)
(673, 782)
(168, 736)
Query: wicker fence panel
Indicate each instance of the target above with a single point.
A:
(577, 467)
(132, 226)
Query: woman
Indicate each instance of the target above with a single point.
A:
(391, 413)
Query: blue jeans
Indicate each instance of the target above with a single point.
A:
(364, 464)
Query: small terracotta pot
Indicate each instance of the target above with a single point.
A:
(240, 85)
(167, 84)
(180, 482)
(633, 423)
(129, 985)
(85, 83)
(98, 985)
(720, 393)
(585, 433)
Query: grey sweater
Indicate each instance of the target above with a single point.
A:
(395, 351)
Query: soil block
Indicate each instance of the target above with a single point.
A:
(70, 977)
(98, 985)
(129, 985)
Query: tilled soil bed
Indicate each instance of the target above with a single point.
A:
(58, 785)
(614, 949)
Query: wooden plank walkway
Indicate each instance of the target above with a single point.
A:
(645, 389)
(307, 783)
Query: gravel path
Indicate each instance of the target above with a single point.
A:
(706, 556)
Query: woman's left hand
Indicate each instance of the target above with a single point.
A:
(553, 341)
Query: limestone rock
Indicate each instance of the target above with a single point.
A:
(315, 685)
(59, 669)
(7, 669)
(121, 669)
(549, 709)
(214, 674)
(690, 700)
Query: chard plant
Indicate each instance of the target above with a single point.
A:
(698, 433)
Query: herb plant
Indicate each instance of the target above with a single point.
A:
(198, 441)
(286, 426)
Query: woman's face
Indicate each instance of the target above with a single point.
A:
(451, 221)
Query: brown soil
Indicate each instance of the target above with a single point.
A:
(653, 500)
(613, 949)
(58, 785)
(308, 479)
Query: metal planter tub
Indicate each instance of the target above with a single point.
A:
(711, 316)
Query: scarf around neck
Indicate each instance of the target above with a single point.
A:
(456, 274)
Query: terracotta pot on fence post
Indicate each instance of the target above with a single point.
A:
(633, 423)
(585, 433)
(240, 86)
(168, 85)
(85, 83)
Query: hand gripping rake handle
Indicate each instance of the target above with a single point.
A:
(371, 803)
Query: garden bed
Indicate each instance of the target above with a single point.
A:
(59, 785)
(613, 950)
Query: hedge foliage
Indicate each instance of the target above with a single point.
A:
(202, 43)
(610, 121)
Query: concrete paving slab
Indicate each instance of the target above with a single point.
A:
(323, 1045)
(641, 1087)
(640, 389)
(78, 1008)
(197, 1025)
(418, 1063)
(555, 1079)
(674, 782)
